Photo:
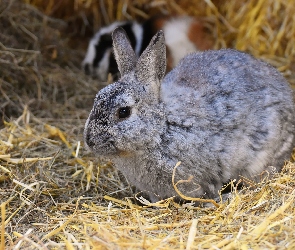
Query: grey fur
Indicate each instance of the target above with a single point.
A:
(153, 60)
(221, 113)
(124, 54)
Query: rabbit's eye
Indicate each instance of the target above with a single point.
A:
(124, 112)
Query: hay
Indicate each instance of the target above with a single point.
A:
(55, 195)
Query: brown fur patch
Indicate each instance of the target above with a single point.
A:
(170, 62)
(200, 36)
(159, 22)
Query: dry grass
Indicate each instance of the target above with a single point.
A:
(55, 195)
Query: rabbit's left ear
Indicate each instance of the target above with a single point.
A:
(124, 53)
(151, 65)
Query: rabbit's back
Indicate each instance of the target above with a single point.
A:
(236, 114)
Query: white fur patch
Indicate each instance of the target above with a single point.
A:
(138, 33)
(176, 38)
(103, 66)
(90, 55)
(108, 29)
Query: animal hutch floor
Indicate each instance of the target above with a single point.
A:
(56, 195)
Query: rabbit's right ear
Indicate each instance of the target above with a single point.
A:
(151, 65)
(124, 53)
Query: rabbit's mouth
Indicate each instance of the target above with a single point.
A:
(107, 148)
(120, 152)
(113, 146)
(99, 143)
(101, 148)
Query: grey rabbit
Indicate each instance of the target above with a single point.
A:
(222, 113)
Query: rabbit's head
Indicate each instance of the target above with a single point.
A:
(127, 115)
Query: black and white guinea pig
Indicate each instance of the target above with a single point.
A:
(183, 35)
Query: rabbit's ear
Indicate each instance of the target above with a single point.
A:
(151, 64)
(124, 53)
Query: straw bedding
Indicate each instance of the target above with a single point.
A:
(56, 195)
